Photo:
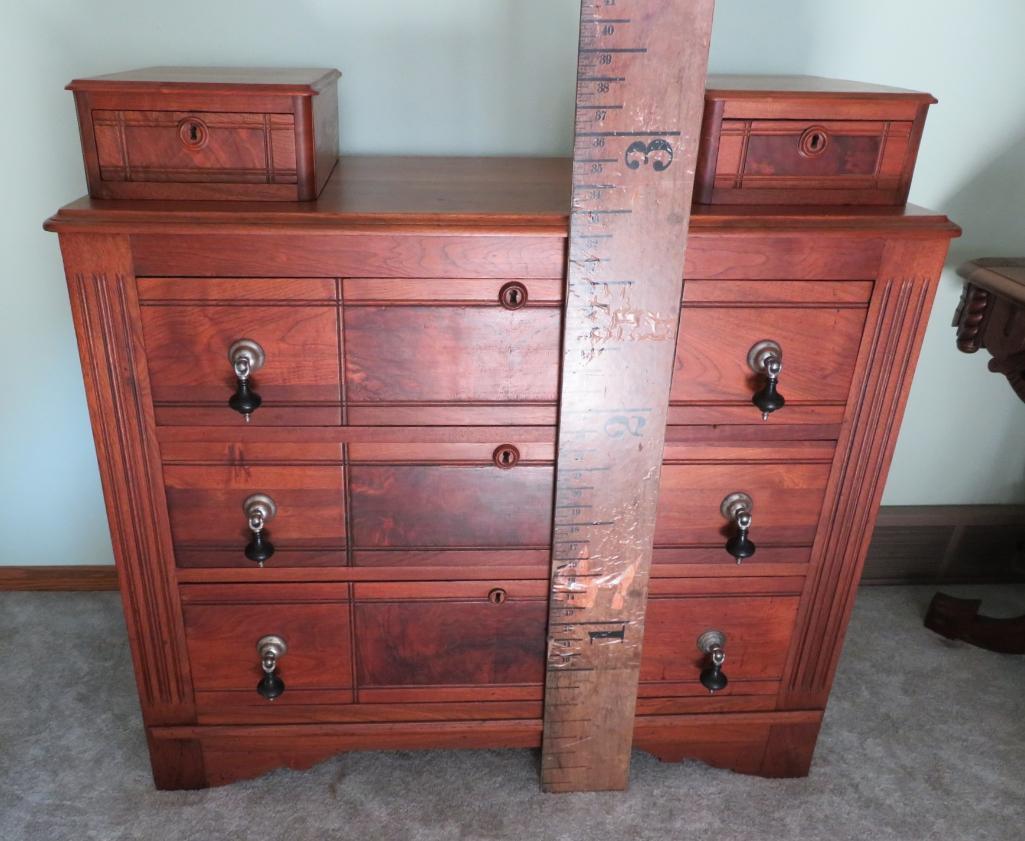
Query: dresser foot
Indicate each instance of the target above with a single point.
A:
(959, 619)
(177, 763)
(765, 745)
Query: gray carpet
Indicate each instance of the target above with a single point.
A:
(924, 739)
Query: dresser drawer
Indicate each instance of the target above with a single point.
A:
(183, 146)
(452, 641)
(455, 496)
(452, 351)
(758, 631)
(193, 133)
(190, 326)
(210, 527)
(787, 503)
(757, 158)
(224, 623)
(715, 380)
(820, 141)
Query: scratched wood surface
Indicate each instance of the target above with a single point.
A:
(640, 88)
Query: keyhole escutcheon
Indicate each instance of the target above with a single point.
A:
(193, 133)
(505, 456)
(513, 295)
(497, 595)
(814, 141)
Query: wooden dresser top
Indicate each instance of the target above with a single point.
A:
(529, 195)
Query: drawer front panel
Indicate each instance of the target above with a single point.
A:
(187, 350)
(181, 146)
(222, 637)
(445, 635)
(787, 502)
(820, 348)
(205, 507)
(434, 506)
(441, 354)
(820, 161)
(758, 632)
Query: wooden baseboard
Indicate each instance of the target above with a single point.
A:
(912, 544)
(947, 544)
(58, 578)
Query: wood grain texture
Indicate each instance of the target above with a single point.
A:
(512, 196)
(201, 135)
(222, 641)
(758, 633)
(450, 635)
(107, 323)
(73, 578)
(787, 502)
(810, 141)
(820, 347)
(893, 337)
(405, 507)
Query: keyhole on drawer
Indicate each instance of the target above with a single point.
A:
(506, 456)
(193, 133)
(814, 142)
(513, 295)
(497, 596)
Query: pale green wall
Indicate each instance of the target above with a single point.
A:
(488, 77)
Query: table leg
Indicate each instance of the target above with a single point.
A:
(959, 619)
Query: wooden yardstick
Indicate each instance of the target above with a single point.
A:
(640, 93)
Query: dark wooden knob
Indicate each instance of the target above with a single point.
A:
(246, 357)
(259, 510)
(271, 649)
(737, 508)
(766, 360)
(713, 645)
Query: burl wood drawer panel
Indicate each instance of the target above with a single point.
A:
(452, 496)
(811, 141)
(451, 351)
(210, 527)
(182, 146)
(191, 324)
(758, 630)
(817, 326)
(224, 622)
(823, 155)
(454, 641)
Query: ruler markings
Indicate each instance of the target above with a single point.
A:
(631, 197)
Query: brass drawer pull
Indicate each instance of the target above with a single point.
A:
(713, 645)
(246, 357)
(505, 456)
(766, 359)
(737, 508)
(271, 648)
(259, 510)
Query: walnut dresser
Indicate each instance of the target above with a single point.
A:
(326, 434)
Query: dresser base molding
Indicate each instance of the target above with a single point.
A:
(775, 744)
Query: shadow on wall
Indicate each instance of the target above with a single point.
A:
(991, 210)
(990, 207)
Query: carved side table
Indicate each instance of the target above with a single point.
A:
(991, 315)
